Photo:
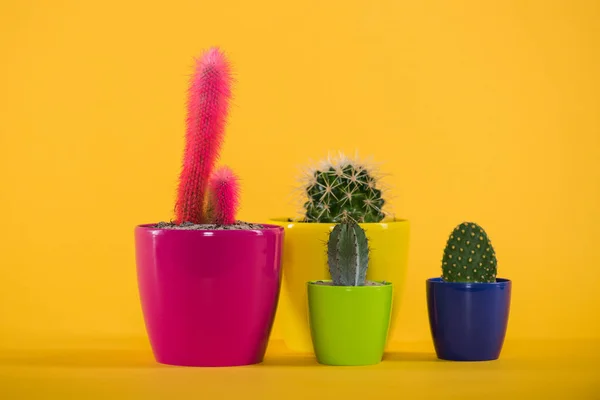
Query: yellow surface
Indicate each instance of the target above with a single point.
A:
(478, 110)
(526, 370)
(305, 259)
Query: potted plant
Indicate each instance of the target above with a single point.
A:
(208, 284)
(349, 315)
(337, 188)
(468, 305)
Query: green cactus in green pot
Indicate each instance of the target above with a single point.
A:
(348, 254)
(469, 255)
(342, 188)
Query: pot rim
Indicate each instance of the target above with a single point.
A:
(500, 282)
(150, 227)
(348, 288)
(382, 222)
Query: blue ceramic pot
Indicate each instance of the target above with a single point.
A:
(468, 320)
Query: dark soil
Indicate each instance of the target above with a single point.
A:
(188, 226)
(367, 283)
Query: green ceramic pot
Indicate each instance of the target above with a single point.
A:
(349, 324)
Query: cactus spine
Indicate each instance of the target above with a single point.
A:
(340, 189)
(469, 255)
(348, 254)
(207, 110)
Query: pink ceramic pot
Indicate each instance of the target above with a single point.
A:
(209, 297)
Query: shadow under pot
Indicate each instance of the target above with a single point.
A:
(468, 321)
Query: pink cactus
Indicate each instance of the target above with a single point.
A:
(207, 110)
(224, 196)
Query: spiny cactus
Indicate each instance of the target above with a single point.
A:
(342, 188)
(207, 110)
(348, 254)
(469, 255)
(224, 197)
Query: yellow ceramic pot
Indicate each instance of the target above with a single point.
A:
(305, 259)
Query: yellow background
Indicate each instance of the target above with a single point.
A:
(479, 110)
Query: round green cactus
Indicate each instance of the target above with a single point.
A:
(343, 189)
(469, 255)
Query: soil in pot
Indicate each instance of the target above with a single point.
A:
(189, 226)
(367, 283)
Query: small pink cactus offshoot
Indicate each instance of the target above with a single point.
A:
(207, 110)
(224, 196)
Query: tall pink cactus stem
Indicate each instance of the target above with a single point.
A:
(207, 110)
(224, 196)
